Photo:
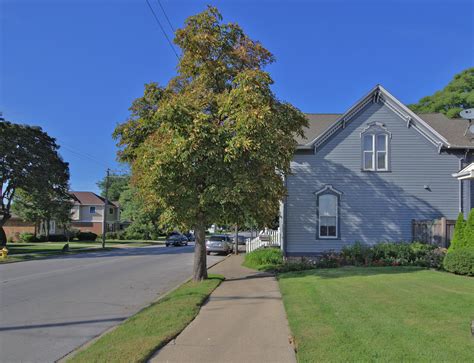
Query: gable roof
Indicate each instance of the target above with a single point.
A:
(89, 198)
(437, 128)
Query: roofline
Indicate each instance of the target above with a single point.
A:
(399, 108)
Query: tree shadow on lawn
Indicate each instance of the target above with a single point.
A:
(352, 271)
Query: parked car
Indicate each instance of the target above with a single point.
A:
(190, 236)
(176, 240)
(220, 243)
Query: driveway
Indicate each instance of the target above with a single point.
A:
(50, 307)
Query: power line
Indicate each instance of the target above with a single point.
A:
(83, 155)
(166, 16)
(162, 29)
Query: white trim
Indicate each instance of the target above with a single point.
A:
(336, 215)
(328, 187)
(380, 94)
(465, 174)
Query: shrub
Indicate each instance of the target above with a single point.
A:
(111, 235)
(333, 259)
(468, 235)
(28, 237)
(458, 237)
(57, 238)
(460, 261)
(263, 258)
(356, 254)
(86, 236)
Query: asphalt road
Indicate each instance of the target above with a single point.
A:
(50, 307)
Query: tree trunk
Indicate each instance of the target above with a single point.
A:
(200, 265)
(3, 237)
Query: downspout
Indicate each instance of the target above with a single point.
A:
(460, 188)
(283, 226)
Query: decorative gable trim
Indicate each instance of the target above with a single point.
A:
(380, 125)
(328, 188)
(380, 95)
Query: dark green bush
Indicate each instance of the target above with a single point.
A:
(111, 235)
(86, 236)
(460, 261)
(356, 254)
(28, 237)
(57, 238)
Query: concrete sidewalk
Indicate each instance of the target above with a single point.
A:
(243, 321)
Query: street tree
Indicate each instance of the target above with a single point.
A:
(214, 144)
(456, 96)
(29, 161)
(117, 184)
(43, 206)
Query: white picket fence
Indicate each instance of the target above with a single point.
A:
(266, 238)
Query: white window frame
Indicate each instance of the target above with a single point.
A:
(92, 210)
(374, 130)
(328, 190)
(373, 151)
(377, 151)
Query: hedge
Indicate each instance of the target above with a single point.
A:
(460, 261)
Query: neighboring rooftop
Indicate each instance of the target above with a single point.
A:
(89, 198)
(453, 130)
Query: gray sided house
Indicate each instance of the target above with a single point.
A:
(366, 174)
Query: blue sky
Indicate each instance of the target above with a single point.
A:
(73, 67)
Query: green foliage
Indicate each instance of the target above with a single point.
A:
(459, 231)
(469, 231)
(44, 206)
(460, 261)
(264, 258)
(28, 237)
(212, 145)
(456, 96)
(86, 236)
(117, 185)
(29, 161)
(144, 218)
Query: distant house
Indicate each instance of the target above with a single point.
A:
(364, 175)
(86, 215)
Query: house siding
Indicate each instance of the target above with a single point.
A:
(374, 206)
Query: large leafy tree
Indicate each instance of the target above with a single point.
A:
(456, 96)
(44, 206)
(213, 145)
(29, 161)
(144, 219)
(117, 183)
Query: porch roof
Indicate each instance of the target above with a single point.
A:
(466, 173)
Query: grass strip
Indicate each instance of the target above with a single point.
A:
(136, 339)
(38, 255)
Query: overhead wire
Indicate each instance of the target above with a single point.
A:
(162, 29)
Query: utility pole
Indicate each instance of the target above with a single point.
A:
(104, 221)
(236, 240)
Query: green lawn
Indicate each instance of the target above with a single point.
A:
(140, 336)
(389, 314)
(20, 251)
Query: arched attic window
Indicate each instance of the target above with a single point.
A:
(327, 219)
(375, 147)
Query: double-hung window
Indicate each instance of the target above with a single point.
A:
(375, 150)
(328, 213)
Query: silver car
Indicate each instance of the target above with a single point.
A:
(219, 244)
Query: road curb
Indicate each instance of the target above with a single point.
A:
(87, 344)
